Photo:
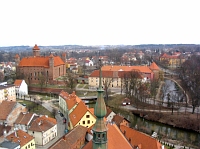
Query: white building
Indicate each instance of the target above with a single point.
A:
(43, 129)
(21, 88)
(7, 92)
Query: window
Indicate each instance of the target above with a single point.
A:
(87, 116)
(83, 122)
(88, 121)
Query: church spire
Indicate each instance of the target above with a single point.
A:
(100, 129)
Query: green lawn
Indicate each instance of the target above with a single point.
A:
(35, 108)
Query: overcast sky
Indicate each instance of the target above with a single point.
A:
(103, 22)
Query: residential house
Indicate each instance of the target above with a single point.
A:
(81, 115)
(120, 120)
(25, 140)
(9, 145)
(74, 139)
(43, 129)
(21, 88)
(172, 60)
(109, 114)
(88, 63)
(7, 92)
(24, 120)
(34, 67)
(10, 110)
(126, 101)
(139, 139)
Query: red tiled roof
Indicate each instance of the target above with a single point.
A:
(153, 66)
(36, 47)
(71, 99)
(22, 137)
(76, 115)
(138, 138)
(117, 119)
(40, 61)
(6, 108)
(169, 56)
(24, 118)
(2, 128)
(17, 83)
(70, 139)
(42, 123)
(116, 139)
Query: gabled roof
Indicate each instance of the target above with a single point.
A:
(42, 123)
(17, 83)
(70, 139)
(108, 112)
(6, 108)
(118, 119)
(139, 138)
(153, 66)
(20, 137)
(169, 56)
(24, 118)
(71, 99)
(40, 61)
(76, 115)
(116, 139)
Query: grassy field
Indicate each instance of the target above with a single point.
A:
(35, 108)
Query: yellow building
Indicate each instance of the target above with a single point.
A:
(25, 140)
(81, 115)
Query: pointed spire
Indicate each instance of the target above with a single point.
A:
(100, 129)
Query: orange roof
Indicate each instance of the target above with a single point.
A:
(17, 83)
(22, 137)
(108, 111)
(70, 139)
(40, 61)
(153, 66)
(143, 69)
(118, 119)
(42, 123)
(24, 118)
(36, 47)
(76, 115)
(116, 139)
(138, 138)
(71, 99)
(169, 56)
(6, 108)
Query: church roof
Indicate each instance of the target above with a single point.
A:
(40, 61)
(116, 139)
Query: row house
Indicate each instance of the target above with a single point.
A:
(7, 92)
(10, 110)
(75, 111)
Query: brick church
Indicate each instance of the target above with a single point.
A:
(35, 68)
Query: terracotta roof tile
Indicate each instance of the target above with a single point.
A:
(21, 137)
(116, 139)
(42, 123)
(40, 61)
(71, 99)
(153, 66)
(6, 108)
(117, 119)
(36, 47)
(70, 139)
(138, 138)
(17, 83)
(24, 118)
(76, 115)
(169, 56)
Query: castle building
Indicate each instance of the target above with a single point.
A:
(37, 68)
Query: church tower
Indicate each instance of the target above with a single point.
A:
(36, 50)
(100, 130)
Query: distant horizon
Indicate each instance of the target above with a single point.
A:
(89, 22)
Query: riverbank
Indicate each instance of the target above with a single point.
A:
(178, 119)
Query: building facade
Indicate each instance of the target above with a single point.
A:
(7, 92)
(21, 88)
(36, 68)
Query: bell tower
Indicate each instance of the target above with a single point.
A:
(36, 50)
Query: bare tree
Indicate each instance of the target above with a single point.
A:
(41, 80)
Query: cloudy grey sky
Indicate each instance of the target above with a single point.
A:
(103, 22)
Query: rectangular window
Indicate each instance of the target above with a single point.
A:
(83, 122)
(87, 116)
(88, 121)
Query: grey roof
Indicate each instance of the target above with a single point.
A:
(9, 144)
